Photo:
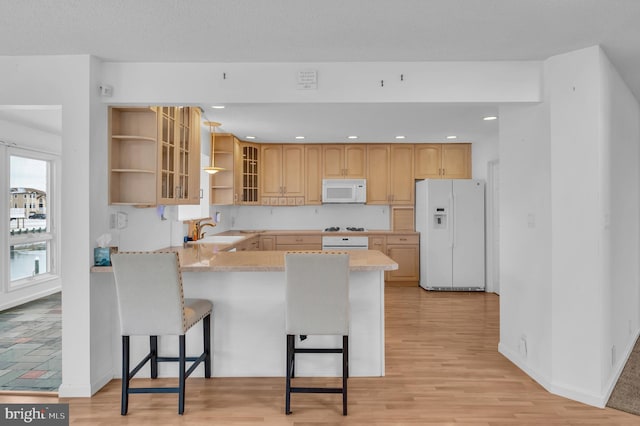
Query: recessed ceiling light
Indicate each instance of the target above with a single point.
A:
(452, 137)
(299, 137)
(217, 106)
(352, 137)
(399, 137)
(489, 118)
(250, 137)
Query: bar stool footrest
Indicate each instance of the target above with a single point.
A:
(316, 390)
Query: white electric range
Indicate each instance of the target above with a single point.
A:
(344, 242)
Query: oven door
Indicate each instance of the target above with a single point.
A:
(345, 243)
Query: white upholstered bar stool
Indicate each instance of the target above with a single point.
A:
(317, 303)
(151, 303)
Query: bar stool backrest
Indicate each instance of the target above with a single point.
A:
(150, 295)
(317, 293)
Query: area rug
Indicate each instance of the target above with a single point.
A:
(626, 393)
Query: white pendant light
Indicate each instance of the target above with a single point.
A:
(212, 169)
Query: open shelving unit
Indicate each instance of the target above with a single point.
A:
(221, 183)
(132, 156)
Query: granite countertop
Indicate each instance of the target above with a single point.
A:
(207, 258)
(365, 233)
(216, 257)
(247, 234)
(204, 258)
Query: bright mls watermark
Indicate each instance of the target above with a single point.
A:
(34, 414)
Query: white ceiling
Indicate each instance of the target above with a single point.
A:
(327, 31)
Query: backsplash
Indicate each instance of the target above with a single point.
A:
(147, 229)
(302, 217)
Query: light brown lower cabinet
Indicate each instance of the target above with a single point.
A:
(379, 243)
(402, 248)
(405, 250)
(267, 243)
(249, 244)
(298, 242)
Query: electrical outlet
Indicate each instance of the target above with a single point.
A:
(122, 220)
(523, 346)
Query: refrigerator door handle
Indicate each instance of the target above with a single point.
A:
(452, 235)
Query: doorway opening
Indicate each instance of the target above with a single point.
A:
(30, 286)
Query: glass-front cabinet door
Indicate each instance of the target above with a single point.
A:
(179, 156)
(250, 174)
(168, 147)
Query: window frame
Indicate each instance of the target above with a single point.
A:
(51, 237)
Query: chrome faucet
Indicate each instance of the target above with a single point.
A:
(199, 227)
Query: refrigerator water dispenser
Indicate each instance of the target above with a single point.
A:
(440, 218)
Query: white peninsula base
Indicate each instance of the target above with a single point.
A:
(248, 327)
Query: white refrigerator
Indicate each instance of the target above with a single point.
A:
(450, 219)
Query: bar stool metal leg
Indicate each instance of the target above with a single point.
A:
(181, 377)
(153, 346)
(124, 399)
(345, 372)
(290, 355)
(206, 327)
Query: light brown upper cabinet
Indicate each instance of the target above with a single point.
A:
(378, 173)
(390, 174)
(344, 161)
(313, 174)
(154, 155)
(247, 166)
(223, 154)
(179, 131)
(443, 161)
(401, 178)
(283, 174)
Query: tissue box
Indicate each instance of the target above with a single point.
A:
(102, 255)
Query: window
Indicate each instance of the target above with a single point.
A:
(31, 233)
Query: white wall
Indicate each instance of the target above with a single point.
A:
(621, 130)
(64, 80)
(577, 226)
(27, 137)
(525, 238)
(572, 163)
(508, 81)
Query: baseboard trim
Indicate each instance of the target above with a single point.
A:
(102, 382)
(30, 297)
(74, 391)
(554, 388)
(401, 283)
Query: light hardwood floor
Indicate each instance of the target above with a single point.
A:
(442, 367)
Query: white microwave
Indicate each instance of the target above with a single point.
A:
(344, 190)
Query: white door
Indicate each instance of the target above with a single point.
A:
(468, 233)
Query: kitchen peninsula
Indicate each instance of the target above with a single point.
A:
(248, 293)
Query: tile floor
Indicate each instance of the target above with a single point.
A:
(31, 346)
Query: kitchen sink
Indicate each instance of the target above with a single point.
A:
(219, 239)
